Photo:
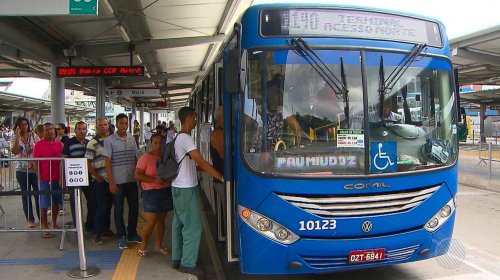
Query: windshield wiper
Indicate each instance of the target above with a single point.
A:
(386, 86)
(338, 86)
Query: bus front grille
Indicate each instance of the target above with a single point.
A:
(361, 205)
(329, 262)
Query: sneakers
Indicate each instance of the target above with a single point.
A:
(192, 270)
(122, 244)
(134, 238)
(97, 240)
(176, 264)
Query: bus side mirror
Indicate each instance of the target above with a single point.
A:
(231, 71)
(235, 71)
(243, 71)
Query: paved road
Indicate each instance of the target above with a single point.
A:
(476, 244)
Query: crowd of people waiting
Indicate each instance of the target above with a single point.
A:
(115, 172)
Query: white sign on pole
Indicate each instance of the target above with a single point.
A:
(133, 92)
(76, 172)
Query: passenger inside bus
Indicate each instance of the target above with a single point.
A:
(388, 113)
(316, 114)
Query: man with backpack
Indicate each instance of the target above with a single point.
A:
(186, 225)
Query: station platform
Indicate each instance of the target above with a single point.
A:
(27, 255)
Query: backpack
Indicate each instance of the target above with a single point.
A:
(167, 166)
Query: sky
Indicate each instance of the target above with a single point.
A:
(458, 16)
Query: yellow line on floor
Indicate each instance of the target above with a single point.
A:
(127, 266)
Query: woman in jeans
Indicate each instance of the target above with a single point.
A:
(156, 195)
(22, 144)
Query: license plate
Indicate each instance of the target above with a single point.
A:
(363, 256)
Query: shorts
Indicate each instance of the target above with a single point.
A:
(157, 200)
(50, 199)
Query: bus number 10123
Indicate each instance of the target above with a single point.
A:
(317, 225)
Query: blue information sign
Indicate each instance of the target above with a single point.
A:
(383, 156)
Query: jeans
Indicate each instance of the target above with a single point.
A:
(104, 202)
(29, 182)
(129, 191)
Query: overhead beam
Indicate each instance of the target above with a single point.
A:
(161, 77)
(113, 49)
(178, 86)
(177, 94)
(472, 39)
(474, 55)
(19, 39)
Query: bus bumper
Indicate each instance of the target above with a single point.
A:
(260, 255)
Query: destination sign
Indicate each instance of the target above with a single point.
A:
(133, 92)
(316, 162)
(99, 71)
(349, 24)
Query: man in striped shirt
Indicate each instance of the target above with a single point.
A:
(120, 155)
(96, 164)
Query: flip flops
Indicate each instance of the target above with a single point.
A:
(46, 234)
(141, 253)
(163, 251)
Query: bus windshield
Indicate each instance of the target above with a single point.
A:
(296, 124)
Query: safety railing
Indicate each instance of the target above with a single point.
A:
(20, 184)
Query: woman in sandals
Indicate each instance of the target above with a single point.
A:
(22, 145)
(156, 196)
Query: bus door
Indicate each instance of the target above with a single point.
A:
(229, 103)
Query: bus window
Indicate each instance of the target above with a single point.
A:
(292, 116)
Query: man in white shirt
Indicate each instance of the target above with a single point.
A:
(147, 133)
(388, 115)
(186, 226)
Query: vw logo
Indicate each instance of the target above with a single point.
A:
(366, 226)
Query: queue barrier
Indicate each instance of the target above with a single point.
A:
(10, 192)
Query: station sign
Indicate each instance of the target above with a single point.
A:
(151, 104)
(48, 7)
(99, 71)
(133, 92)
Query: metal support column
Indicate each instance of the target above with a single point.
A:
(134, 116)
(57, 96)
(142, 124)
(482, 110)
(100, 104)
(83, 271)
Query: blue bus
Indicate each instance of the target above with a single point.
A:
(340, 138)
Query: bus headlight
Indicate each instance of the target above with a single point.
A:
(441, 216)
(266, 226)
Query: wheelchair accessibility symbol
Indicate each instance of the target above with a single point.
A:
(383, 156)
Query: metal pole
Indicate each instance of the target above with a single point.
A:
(489, 159)
(83, 271)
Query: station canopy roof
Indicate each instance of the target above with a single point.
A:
(13, 102)
(176, 40)
(477, 57)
